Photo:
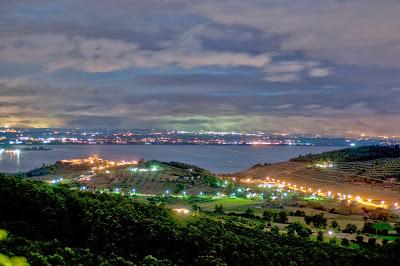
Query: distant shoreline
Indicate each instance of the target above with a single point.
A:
(177, 144)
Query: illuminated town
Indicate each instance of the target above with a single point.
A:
(18, 136)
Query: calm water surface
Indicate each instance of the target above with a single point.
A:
(217, 158)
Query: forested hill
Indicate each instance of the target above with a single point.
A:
(352, 154)
(51, 225)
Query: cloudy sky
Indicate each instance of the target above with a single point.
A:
(305, 66)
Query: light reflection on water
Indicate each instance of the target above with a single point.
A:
(11, 156)
(217, 158)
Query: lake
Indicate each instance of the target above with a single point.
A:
(217, 158)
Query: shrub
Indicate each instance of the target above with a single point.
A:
(334, 224)
(350, 228)
(345, 242)
(320, 236)
(219, 209)
(371, 242)
(299, 230)
(249, 213)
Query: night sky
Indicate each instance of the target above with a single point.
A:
(307, 66)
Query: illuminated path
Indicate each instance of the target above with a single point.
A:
(329, 194)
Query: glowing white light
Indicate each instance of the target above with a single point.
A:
(182, 211)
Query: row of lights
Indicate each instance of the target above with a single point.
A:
(329, 193)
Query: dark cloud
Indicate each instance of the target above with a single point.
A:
(303, 66)
(91, 121)
(6, 91)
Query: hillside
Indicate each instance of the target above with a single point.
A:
(371, 172)
(363, 153)
(52, 225)
(152, 177)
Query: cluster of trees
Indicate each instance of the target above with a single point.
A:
(7, 260)
(350, 228)
(187, 170)
(299, 230)
(318, 220)
(277, 217)
(298, 213)
(52, 225)
(183, 166)
(52, 168)
(268, 215)
(352, 154)
(380, 228)
(37, 172)
(376, 214)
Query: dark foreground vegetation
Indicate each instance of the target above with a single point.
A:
(352, 154)
(52, 225)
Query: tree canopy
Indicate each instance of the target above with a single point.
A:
(52, 225)
(363, 153)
